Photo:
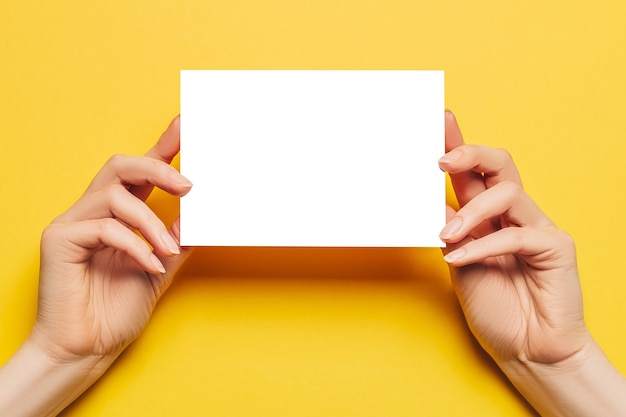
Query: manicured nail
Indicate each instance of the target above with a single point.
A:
(451, 156)
(184, 182)
(455, 255)
(169, 243)
(180, 180)
(451, 228)
(157, 264)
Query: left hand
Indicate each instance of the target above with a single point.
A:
(99, 280)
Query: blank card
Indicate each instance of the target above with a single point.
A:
(312, 158)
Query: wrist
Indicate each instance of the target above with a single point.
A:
(50, 382)
(78, 354)
(583, 384)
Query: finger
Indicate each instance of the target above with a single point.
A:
(91, 235)
(116, 202)
(140, 171)
(168, 144)
(450, 213)
(454, 137)
(505, 202)
(522, 241)
(466, 184)
(450, 246)
(164, 150)
(494, 165)
(172, 264)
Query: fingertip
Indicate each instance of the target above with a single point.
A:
(174, 125)
(454, 138)
(168, 144)
(451, 229)
(185, 183)
(456, 256)
(450, 118)
(157, 265)
(170, 244)
(186, 191)
(180, 182)
(450, 157)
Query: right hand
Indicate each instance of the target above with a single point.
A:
(513, 270)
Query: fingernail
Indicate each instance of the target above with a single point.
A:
(184, 182)
(451, 228)
(451, 156)
(180, 180)
(455, 255)
(157, 264)
(169, 243)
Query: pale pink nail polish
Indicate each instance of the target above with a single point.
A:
(157, 264)
(169, 243)
(451, 156)
(455, 255)
(452, 228)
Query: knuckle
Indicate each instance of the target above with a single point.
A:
(155, 171)
(61, 218)
(108, 225)
(512, 189)
(50, 232)
(500, 161)
(113, 192)
(517, 236)
(161, 168)
(566, 239)
(116, 160)
(504, 155)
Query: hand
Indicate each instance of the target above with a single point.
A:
(99, 280)
(513, 270)
(516, 278)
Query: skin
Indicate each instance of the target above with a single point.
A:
(513, 270)
(99, 280)
(106, 262)
(515, 275)
(105, 276)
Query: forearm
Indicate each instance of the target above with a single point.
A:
(586, 384)
(32, 383)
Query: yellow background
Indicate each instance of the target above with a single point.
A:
(304, 332)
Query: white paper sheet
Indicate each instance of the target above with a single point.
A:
(312, 158)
